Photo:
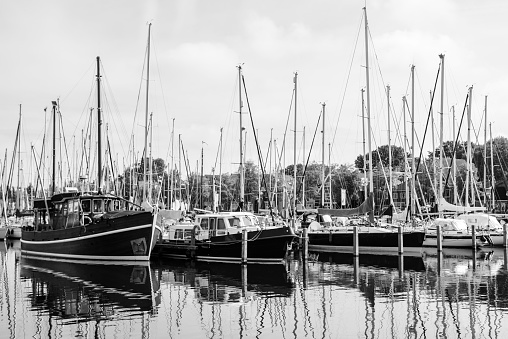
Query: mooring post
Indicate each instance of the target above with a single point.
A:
(439, 239)
(401, 240)
(505, 235)
(305, 239)
(473, 236)
(356, 250)
(244, 246)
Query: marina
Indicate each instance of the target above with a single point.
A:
(457, 294)
(249, 170)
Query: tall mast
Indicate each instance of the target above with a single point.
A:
(179, 171)
(434, 176)
(454, 162)
(413, 167)
(220, 172)
(323, 158)
(99, 124)
(18, 189)
(406, 165)
(369, 130)
(364, 164)
(492, 176)
(146, 114)
(270, 150)
(295, 80)
(303, 171)
(330, 174)
(240, 104)
(389, 147)
(485, 159)
(441, 123)
(172, 164)
(53, 188)
(468, 158)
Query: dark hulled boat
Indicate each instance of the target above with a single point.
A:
(218, 237)
(90, 226)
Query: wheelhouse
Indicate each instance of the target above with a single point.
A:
(73, 209)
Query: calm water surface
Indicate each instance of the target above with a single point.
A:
(455, 295)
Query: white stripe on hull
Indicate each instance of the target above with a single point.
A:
(85, 237)
(88, 257)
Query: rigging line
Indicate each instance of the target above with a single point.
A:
(426, 125)
(285, 131)
(347, 81)
(310, 152)
(259, 151)
(139, 95)
(457, 138)
(65, 146)
(81, 78)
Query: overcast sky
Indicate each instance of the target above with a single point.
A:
(49, 50)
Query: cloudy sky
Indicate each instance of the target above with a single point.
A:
(49, 50)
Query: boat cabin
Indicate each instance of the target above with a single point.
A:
(73, 209)
(212, 225)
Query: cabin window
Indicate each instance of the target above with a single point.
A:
(98, 206)
(234, 222)
(247, 221)
(116, 205)
(108, 205)
(204, 224)
(187, 234)
(85, 205)
(212, 224)
(220, 224)
(178, 234)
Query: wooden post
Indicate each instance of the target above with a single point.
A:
(401, 240)
(193, 237)
(305, 253)
(473, 236)
(505, 235)
(244, 246)
(356, 251)
(439, 239)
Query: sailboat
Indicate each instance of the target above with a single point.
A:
(323, 237)
(90, 225)
(219, 236)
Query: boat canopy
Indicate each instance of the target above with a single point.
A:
(450, 224)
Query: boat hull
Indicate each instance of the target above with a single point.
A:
(456, 241)
(372, 242)
(130, 237)
(268, 245)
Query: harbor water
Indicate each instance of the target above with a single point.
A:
(456, 294)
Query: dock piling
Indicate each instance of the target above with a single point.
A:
(473, 236)
(244, 246)
(356, 250)
(401, 240)
(305, 239)
(439, 239)
(505, 235)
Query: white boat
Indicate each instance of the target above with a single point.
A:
(455, 233)
(486, 223)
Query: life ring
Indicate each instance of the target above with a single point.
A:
(87, 220)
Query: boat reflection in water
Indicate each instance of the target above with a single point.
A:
(74, 292)
(227, 282)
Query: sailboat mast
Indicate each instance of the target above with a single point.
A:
(172, 164)
(146, 114)
(295, 80)
(303, 169)
(99, 124)
(406, 165)
(413, 167)
(323, 158)
(441, 123)
(468, 144)
(492, 178)
(485, 158)
(242, 174)
(363, 142)
(220, 172)
(369, 130)
(454, 162)
(18, 189)
(53, 188)
(389, 147)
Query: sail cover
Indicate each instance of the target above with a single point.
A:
(366, 207)
(446, 206)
